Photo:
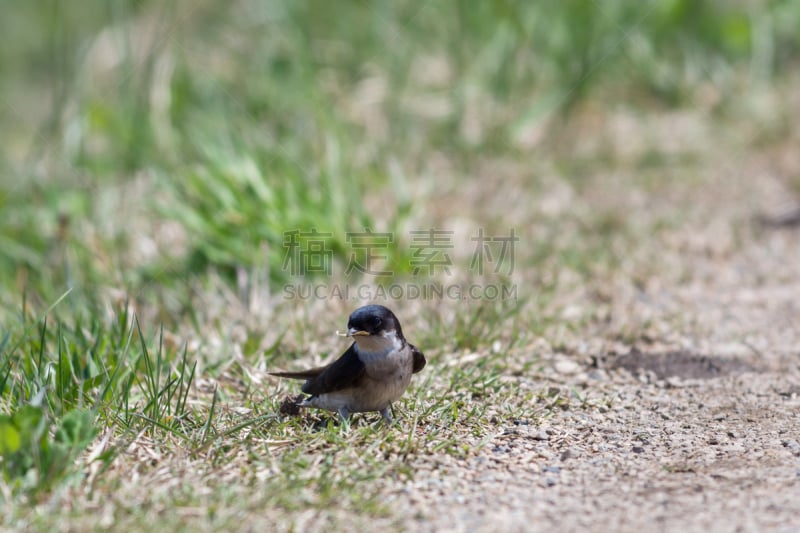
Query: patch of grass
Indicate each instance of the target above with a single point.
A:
(38, 450)
(258, 219)
(65, 383)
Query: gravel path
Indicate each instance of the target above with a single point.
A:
(720, 455)
(697, 431)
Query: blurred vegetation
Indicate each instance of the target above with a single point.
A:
(237, 122)
(256, 118)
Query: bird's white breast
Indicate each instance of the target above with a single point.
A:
(388, 364)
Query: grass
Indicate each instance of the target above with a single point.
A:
(156, 160)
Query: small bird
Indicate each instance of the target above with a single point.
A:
(374, 372)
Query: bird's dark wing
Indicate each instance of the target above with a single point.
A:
(419, 358)
(338, 375)
(301, 374)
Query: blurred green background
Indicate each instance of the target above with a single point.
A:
(149, 140)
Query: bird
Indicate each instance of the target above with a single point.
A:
(371, 374)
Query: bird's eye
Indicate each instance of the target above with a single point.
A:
(378, 322)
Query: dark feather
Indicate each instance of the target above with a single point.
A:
(300, 374)
(341, 374)
(419, 358)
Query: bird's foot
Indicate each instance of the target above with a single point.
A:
(386, 416)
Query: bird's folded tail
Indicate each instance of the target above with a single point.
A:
(302, 374)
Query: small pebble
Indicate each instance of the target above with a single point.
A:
(793, 446)
(541, 435)
(567, 367)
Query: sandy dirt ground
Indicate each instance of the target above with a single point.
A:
(694, 428)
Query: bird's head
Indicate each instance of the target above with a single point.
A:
(374, 328)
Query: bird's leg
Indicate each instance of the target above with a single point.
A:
(344, 415)
(386, 415)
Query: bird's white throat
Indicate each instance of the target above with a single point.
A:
(373, 347)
